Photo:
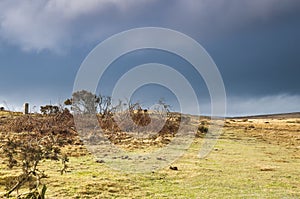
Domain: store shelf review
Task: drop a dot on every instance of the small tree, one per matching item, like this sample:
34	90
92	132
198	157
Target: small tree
84	102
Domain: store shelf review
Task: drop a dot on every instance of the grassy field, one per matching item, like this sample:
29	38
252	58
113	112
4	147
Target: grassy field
254	158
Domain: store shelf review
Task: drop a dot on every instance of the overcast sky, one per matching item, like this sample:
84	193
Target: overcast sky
254	43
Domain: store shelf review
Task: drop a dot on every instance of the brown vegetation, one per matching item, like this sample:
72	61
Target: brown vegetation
265	135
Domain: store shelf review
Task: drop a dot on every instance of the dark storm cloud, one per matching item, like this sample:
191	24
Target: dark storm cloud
55	24
255	43
262	60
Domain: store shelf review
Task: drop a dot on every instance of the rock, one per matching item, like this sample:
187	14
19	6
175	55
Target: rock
100	161
173	168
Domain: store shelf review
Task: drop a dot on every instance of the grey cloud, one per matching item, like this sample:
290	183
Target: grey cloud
38	25
58	24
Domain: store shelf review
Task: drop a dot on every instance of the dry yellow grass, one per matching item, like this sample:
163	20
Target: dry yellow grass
254	158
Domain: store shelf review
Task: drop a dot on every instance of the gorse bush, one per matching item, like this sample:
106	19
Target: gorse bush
26	152
28	140
49	109
202	130
97	118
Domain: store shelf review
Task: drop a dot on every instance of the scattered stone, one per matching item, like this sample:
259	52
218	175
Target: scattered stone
100	161
267	169
251	127
173	168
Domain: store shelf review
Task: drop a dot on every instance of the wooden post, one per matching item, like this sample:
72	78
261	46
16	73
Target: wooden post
26	108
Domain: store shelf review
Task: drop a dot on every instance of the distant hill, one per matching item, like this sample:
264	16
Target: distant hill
269	116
